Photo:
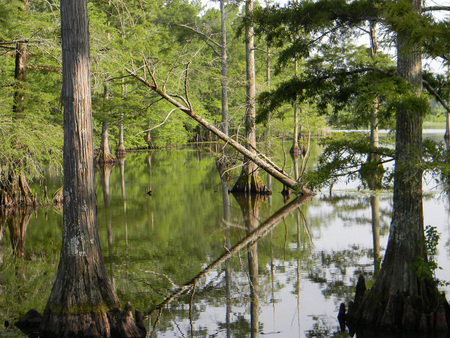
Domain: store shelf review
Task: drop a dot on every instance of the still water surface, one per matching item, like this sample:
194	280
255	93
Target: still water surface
302	269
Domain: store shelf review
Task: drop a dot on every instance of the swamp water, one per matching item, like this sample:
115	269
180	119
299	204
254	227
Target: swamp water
303	267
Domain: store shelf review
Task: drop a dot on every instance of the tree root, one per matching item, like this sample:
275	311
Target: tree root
393	313
114	323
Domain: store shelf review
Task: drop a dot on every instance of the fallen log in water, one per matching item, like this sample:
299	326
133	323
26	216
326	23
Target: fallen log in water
272	170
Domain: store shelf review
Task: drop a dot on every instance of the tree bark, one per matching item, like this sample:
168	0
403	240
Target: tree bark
250	181
82	296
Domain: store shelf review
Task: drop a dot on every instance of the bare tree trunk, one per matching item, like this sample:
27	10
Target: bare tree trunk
121	152
295	149
224	59
250	181
82	293
105	156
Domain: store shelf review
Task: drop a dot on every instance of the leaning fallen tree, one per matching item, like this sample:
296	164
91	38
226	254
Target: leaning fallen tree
254	156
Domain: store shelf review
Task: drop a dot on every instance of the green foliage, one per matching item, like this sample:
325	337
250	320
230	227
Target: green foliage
425	269
30	139
346	156
337	74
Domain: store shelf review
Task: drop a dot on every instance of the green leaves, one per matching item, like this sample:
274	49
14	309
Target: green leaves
346	156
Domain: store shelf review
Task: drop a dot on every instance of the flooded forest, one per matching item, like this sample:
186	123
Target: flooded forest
224	168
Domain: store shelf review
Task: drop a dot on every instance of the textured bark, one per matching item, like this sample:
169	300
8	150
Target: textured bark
398	286
249	180
82	293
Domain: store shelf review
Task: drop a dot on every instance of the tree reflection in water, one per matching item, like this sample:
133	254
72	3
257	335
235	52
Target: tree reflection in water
302	269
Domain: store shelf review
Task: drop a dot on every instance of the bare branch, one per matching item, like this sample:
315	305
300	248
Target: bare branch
435	8
159	125
208	40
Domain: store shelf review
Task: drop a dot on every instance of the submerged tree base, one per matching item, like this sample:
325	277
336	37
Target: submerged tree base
251	184
15	192
393	313
105	158
114	323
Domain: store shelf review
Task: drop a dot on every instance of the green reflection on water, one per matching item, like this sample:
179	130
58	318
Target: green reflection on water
153	243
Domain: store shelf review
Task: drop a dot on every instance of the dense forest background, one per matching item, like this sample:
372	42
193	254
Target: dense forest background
169	35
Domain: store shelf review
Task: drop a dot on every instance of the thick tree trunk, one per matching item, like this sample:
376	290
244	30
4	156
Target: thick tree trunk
402	298
82	297
250	181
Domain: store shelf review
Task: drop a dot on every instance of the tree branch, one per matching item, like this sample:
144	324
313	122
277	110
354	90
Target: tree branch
436	95
435	8
208	40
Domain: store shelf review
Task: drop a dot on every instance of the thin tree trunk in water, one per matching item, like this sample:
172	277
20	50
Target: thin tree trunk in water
374	176
105	156
295	149
374	116
224	59
402	299
121	152
375	206
250	181
82	297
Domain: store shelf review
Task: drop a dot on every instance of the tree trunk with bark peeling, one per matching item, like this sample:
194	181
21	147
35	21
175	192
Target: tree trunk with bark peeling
83	301
404	296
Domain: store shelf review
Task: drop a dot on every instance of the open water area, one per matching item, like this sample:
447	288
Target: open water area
166	216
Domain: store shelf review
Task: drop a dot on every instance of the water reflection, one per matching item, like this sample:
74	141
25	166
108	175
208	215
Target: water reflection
289	283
